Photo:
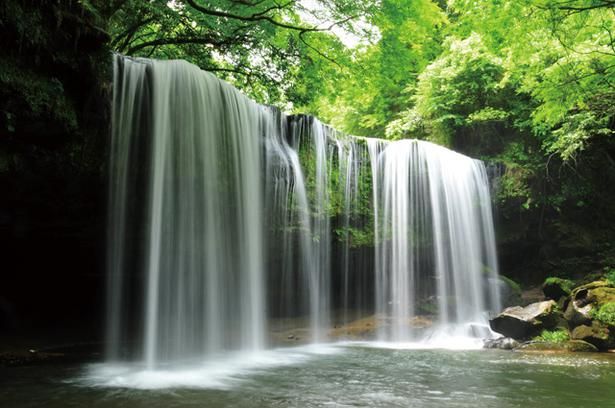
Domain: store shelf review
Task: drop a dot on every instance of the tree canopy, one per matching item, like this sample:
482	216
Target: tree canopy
527	83
259	45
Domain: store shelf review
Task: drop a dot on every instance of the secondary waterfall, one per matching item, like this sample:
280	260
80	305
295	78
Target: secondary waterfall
226	215
434	234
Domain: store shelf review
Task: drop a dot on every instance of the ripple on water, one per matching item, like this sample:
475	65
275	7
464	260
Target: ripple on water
350	375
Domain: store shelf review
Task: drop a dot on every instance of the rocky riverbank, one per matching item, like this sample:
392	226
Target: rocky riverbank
574	316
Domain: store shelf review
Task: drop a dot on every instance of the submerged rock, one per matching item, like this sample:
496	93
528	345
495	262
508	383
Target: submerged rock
502	343
573	346
580	346
524	322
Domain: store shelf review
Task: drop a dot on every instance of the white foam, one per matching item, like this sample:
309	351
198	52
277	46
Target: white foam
451	343
221	372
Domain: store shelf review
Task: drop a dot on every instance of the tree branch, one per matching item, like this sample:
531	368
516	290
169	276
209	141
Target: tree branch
175	41
260	16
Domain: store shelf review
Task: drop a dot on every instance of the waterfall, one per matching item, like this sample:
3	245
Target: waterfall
225	215
434	234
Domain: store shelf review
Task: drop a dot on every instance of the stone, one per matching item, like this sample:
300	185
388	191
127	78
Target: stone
573	346
585	299
580	346
577	313
525	322
597	334
601	296
501	343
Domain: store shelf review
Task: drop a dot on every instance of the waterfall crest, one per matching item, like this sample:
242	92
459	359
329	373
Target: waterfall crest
225	214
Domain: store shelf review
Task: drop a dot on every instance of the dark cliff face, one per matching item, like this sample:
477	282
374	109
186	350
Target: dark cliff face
55	85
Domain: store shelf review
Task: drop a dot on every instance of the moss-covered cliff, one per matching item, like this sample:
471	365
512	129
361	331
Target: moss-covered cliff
54	118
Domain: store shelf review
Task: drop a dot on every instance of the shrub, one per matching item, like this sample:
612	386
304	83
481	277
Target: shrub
606	313
553	336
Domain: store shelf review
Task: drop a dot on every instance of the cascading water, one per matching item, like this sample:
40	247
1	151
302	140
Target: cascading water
435	239
202	204
225	214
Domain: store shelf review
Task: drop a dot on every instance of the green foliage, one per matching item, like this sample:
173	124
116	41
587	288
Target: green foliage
357	237
574	134
35	94
553	336
524	83
267	48
444	71
515	183
461	85
358	229
373	87
605	314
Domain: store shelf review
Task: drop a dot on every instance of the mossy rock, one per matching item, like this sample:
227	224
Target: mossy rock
570	346
580	346
597	334
557	288
601	296
579	291
585	300
510	291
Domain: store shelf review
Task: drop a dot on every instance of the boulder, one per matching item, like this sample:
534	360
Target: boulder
597	334
578	313
585	299
525	322
601	296
557	288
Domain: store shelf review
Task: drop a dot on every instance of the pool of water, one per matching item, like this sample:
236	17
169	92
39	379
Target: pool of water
345	375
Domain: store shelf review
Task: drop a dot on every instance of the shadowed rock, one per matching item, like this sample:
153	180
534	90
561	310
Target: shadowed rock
556	288
597	334
524	322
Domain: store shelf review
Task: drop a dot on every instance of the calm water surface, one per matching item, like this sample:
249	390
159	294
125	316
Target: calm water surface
337	376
